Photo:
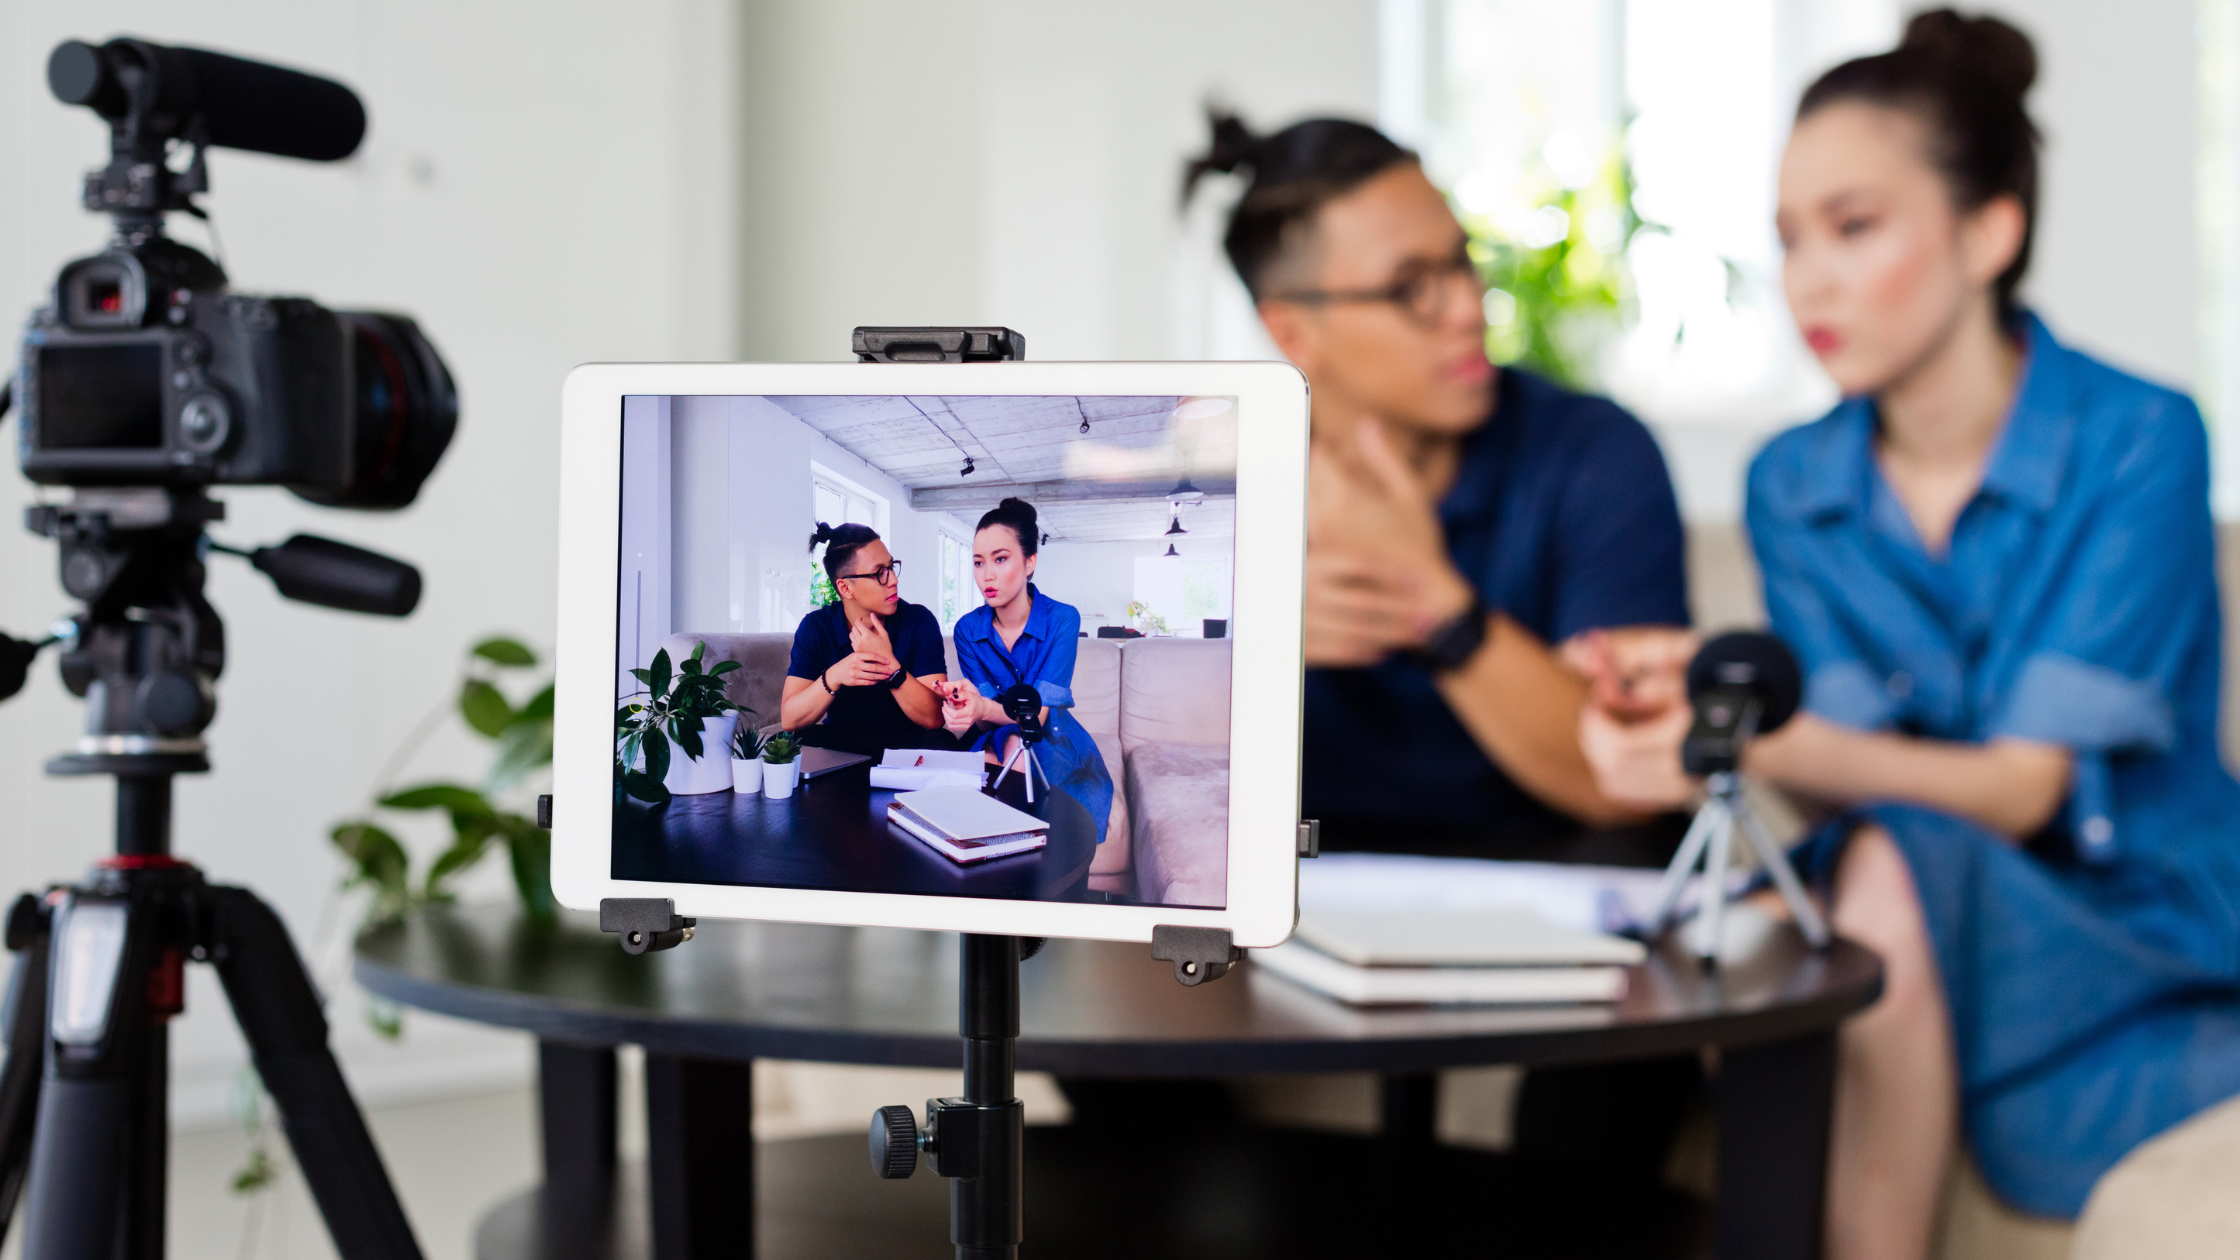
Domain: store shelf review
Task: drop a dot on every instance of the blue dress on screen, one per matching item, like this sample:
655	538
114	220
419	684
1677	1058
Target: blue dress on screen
1043	657
2091	971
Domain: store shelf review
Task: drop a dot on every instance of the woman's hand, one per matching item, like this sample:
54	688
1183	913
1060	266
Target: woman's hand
1635	672
960	705
1378	579
860	669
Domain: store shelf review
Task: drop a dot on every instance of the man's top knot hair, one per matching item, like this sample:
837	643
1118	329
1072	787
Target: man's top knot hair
841	543
1294	173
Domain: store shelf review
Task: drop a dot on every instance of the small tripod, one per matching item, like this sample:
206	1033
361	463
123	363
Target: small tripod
1023	705
1713	830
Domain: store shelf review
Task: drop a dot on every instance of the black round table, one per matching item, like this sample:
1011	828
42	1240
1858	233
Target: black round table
742	991
833	833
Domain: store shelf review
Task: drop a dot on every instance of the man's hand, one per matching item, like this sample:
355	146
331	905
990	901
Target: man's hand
860	669
1378	579
869	637
1637	763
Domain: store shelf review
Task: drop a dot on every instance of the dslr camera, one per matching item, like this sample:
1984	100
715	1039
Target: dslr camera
145	370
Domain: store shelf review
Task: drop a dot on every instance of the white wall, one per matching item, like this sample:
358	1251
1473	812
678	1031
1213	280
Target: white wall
1006	161
742	516
543	184
1097	578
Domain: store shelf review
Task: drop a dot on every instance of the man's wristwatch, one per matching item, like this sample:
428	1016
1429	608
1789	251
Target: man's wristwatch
894	680
1451	646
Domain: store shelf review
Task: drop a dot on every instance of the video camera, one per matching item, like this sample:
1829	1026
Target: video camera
145	370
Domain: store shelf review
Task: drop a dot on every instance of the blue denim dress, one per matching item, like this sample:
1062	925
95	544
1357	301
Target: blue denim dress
1043	657
2093	973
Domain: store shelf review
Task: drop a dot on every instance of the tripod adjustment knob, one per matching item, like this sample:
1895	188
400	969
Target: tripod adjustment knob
894	1142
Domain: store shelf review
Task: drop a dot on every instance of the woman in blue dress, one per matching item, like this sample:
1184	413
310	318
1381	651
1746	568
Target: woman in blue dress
1994	560
1021	635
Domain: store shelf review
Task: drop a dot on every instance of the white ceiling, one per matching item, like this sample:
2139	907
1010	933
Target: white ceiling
1121	469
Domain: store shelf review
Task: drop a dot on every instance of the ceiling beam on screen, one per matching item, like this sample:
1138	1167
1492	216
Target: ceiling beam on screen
987	494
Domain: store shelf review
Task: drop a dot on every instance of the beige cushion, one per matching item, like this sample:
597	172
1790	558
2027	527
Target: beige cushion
1174	691
2174	1198
1096	689
1179	798
759	684
1972	1224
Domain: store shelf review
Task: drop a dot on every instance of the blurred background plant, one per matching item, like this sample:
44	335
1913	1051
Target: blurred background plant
482	815
1558	288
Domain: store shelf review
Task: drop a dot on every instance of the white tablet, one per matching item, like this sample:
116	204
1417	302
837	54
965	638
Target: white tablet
834	542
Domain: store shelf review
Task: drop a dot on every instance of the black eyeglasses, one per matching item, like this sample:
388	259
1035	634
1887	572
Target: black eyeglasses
1421	293
884	574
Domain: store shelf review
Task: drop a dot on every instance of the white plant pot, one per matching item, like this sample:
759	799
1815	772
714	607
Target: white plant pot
746	776
778	777
712	772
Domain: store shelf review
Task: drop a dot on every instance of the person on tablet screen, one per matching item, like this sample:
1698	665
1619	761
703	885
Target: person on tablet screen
867	669
1021	635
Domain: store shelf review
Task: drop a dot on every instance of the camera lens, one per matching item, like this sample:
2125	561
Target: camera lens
406	409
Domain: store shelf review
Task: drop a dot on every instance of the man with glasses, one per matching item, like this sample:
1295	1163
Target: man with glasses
867	667
1473	531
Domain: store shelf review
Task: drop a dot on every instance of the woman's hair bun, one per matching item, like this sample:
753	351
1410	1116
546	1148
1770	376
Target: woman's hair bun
1234	148
1982	48
1018	515
1018	509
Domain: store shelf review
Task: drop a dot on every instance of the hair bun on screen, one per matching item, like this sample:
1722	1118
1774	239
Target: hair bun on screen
1984	49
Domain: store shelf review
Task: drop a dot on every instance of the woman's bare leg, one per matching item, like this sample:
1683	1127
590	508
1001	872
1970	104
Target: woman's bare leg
1897	1088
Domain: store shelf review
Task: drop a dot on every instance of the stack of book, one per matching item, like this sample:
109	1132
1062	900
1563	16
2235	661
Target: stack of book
967	825
1416	957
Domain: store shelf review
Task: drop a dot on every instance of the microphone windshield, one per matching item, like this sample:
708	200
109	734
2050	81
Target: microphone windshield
240	104
1753	661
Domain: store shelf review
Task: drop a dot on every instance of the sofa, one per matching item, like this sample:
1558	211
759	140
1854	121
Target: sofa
1159	712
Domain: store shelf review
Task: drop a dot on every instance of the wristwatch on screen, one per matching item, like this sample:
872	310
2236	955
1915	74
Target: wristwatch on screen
894	679
1451	646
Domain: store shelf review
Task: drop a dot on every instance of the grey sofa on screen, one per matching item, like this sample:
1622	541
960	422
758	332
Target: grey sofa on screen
1159	712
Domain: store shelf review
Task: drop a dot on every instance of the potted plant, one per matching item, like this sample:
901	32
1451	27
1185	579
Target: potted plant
780	767
684	707
746	759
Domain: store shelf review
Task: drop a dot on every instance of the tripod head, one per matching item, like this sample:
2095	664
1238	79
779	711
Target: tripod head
146	648
1742	684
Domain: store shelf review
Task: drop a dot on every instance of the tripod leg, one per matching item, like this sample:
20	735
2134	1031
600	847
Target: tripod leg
1676	874
279	1013
1784	877
1715	885
26	1015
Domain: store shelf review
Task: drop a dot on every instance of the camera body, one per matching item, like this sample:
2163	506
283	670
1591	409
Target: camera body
145	370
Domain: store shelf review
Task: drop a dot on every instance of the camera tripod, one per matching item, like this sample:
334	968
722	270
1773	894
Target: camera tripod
100	965
1023	705
1710	841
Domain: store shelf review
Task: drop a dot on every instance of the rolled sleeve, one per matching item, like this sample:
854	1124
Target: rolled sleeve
1849	694
1055	694
2059	699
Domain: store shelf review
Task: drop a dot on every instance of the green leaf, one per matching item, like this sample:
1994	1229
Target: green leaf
521	750
657	759
530	848
644	786
450	796
505	653
724	667
657	675
256	1174
466	849
538	707
686	733
484	707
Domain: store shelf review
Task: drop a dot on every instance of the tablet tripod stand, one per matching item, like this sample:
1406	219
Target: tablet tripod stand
100	967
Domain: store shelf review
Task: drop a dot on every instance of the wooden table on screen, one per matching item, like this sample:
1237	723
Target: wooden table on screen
742	991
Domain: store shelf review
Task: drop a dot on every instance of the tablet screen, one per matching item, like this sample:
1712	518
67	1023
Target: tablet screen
959	646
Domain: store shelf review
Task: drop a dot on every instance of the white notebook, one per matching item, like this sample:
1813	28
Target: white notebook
1491	936
966	824
915	769
1441	986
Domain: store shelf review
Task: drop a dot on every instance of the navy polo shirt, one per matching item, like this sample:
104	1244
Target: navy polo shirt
867	719
1562	516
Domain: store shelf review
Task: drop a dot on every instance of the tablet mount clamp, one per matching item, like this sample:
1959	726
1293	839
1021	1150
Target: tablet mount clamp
978	1139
